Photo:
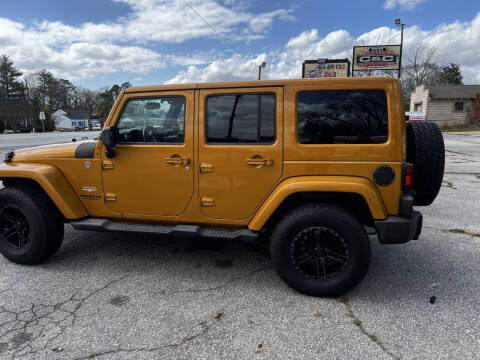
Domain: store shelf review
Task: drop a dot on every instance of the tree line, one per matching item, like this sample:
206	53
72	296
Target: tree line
22	97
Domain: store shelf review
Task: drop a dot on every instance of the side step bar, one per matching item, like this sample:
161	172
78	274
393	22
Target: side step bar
156	229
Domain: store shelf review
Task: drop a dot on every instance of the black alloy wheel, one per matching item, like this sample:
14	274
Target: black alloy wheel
31	227
320	249
14	228
319	253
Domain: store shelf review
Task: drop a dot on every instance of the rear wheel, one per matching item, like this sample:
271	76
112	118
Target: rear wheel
31	229
320	250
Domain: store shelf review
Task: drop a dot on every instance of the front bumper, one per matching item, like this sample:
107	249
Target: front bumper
399	229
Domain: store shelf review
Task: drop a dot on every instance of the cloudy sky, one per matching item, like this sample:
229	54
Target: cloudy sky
97	43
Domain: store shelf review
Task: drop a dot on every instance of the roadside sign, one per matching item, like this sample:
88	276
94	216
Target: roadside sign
415	116
41	116
325	68
378	57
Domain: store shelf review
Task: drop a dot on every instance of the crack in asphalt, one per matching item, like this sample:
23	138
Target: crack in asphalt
458	152
204	325
224	285
477	175
358	323
461	231
448	184
48	322
32	330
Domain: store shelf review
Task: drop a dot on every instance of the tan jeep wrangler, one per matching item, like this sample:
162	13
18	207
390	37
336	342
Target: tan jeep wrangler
313	165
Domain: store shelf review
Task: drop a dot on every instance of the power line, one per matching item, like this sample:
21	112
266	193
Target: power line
205	21
223	38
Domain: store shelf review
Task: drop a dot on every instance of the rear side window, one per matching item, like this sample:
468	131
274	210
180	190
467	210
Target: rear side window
241	119
342	117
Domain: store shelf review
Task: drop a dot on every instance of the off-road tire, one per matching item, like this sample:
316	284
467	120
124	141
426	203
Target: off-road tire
320	216
426	151
45	224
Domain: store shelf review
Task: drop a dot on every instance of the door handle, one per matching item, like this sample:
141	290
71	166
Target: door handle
259	162
177	161
206	168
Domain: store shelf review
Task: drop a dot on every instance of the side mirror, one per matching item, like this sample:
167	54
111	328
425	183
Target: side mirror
107	137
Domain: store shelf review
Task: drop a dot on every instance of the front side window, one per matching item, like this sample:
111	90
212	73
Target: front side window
459	106
152	120
241	119
342	117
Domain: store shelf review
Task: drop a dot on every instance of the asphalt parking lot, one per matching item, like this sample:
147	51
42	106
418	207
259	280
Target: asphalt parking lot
115	296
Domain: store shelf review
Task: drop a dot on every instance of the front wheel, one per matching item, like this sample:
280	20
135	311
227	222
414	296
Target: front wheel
31	229
320	250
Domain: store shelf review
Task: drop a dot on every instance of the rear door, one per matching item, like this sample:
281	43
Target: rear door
240	149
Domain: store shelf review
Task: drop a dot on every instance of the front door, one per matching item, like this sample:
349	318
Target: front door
152	171
240	149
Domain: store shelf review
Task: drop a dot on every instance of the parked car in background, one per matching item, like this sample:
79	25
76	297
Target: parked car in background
96	127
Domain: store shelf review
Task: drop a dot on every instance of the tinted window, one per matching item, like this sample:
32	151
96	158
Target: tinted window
241	118
152	120
342	117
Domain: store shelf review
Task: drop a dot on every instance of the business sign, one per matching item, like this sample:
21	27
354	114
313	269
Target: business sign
378	57
326	68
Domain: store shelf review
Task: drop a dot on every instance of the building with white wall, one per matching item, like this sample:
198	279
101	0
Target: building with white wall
448	105
70	119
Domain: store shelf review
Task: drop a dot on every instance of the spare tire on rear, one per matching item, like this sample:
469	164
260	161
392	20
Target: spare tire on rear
426	151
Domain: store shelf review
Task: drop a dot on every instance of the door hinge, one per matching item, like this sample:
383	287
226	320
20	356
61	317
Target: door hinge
110	197
207	202
108	165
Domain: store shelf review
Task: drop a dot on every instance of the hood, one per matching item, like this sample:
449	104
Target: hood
56	151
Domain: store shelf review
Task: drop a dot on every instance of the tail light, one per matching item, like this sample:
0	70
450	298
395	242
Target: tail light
407	176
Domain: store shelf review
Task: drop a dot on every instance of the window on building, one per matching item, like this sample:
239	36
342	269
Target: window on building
342	117
458	106
418	107
241	119
152	120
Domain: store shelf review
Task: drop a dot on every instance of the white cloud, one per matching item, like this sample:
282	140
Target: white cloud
91	49
304	39
458	42
403	4
237	67
84	51
177	20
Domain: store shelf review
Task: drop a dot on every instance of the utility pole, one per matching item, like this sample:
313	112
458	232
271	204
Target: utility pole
260	67
398	22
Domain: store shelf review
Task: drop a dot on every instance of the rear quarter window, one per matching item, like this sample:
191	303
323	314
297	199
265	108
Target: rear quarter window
342	117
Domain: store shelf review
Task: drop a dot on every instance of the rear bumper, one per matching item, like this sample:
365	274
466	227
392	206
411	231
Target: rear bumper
399	229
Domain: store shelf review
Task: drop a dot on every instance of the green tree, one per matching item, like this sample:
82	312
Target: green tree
452	74
10	87
45	85
108	98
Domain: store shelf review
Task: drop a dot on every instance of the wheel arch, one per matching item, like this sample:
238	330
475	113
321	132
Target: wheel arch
357	195
51	181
